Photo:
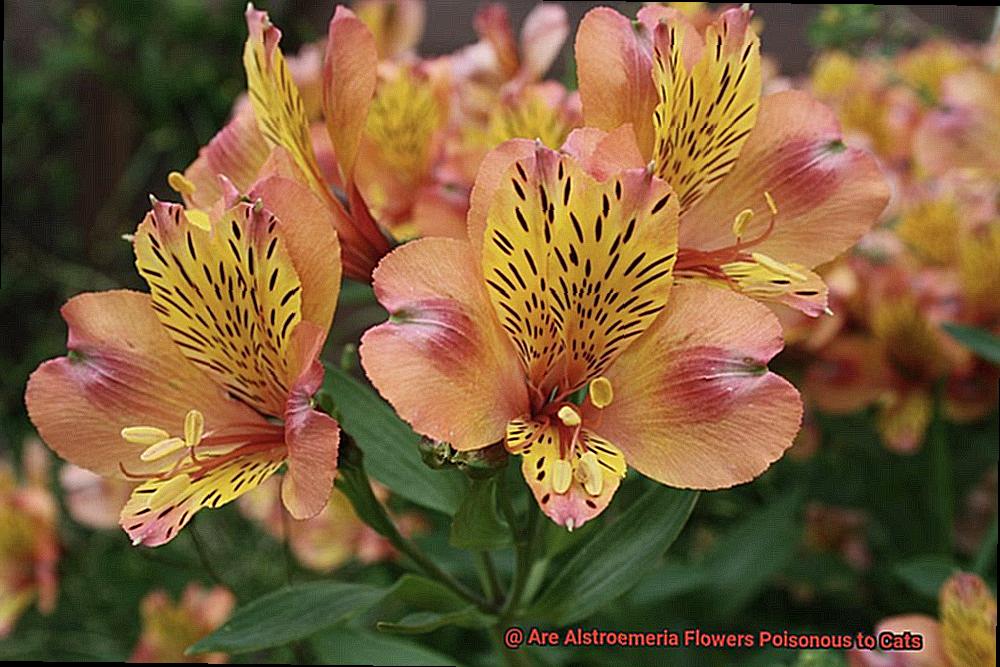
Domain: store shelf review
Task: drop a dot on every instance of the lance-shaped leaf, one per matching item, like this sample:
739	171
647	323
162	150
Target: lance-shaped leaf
983	343
288	614
476	524
390	446
347	646
431	606
617	557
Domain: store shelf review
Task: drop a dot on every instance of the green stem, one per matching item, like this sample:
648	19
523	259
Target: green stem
523	543
206	562
488	577
354	482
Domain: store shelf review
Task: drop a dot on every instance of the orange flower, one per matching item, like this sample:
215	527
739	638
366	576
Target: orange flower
563	288
169	628
767	189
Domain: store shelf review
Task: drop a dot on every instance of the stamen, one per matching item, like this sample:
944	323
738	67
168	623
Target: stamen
144	435
562	476
778	267
588	473
161	449
180	183
194	427
742	219
569	416
770	203
600	392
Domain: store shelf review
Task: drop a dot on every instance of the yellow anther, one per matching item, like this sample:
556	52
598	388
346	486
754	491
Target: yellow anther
741	221
777	267
169	490
199	219
562	476
194	427
161	449
181	183
144	435
568	416
770	203
588	473
601	393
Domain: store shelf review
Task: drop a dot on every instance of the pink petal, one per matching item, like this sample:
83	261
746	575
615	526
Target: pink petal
123	371
827	195
614	68
312	436
543	34
694	405
348	84
237	152
442	359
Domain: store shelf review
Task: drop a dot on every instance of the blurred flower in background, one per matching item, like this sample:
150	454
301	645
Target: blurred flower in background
169	627
29	544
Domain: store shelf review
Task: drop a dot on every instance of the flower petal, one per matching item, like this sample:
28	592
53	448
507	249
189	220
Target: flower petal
827	195
706	108
543	34
614	68
229	296
558	484
348	84
492	172
238	152
123	370
312	436
576	268
308	233
968	613
604	153
441	359
694	404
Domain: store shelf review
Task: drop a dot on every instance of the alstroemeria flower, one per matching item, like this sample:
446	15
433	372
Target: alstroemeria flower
964	635
331	538
767	189
278	115
202	389
562	289
169	628
29	543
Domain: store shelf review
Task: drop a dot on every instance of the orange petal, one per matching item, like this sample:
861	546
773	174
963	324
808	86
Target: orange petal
614	68
567	501
827	195
694	404
968	614
576	268
312	436
491	174
228	296
311	242
397	25
348	84
847	375
237	152
543	34
604	153
442	359
123	370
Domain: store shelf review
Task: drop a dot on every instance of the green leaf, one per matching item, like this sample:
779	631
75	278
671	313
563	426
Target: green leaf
390	446
745	558
925	574
347	646
617	557
432	606
288	614
982	342
476	524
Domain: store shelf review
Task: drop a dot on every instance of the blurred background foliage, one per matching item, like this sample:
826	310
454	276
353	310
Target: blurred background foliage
103	98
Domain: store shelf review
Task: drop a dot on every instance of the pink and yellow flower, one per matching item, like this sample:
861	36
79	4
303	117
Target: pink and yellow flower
29	543
169	628
331	538
963	635
202	389
767	189
564	288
